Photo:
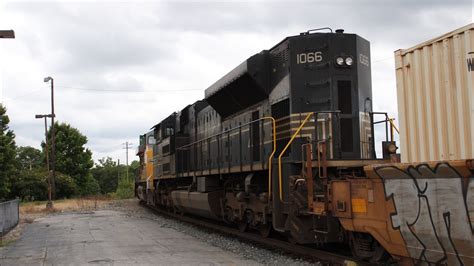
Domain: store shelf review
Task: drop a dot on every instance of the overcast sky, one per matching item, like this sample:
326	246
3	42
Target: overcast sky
121	67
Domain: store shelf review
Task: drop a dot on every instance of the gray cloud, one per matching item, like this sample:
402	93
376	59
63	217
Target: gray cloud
180	46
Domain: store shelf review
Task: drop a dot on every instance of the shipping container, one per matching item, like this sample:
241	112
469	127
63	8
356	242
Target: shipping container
435	90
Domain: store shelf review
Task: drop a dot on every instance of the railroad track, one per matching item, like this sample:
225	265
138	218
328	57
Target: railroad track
321	256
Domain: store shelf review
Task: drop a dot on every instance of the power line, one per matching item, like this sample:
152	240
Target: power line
25	94
117	90
19	97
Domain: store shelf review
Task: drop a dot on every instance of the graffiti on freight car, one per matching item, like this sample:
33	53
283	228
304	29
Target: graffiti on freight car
432	211
470	62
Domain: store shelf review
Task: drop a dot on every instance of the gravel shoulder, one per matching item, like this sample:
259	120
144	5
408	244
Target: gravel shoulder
244	249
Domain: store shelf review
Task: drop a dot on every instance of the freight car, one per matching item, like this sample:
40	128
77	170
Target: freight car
285	142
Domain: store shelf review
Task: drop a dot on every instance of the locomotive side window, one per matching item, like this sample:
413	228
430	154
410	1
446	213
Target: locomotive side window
280	110
151	140
166	149
166	167
169	131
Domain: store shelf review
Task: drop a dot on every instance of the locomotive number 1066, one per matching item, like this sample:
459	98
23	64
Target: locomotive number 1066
310	57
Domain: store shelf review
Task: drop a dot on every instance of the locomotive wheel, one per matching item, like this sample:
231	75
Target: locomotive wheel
243	225
265	229
174	210
292	240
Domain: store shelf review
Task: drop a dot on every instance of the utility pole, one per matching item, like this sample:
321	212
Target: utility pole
49	204
53	138
118	171
127	146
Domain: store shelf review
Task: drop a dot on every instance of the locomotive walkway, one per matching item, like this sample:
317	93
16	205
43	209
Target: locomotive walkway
110	237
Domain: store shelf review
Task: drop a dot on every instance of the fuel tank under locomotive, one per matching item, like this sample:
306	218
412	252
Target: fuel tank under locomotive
198	203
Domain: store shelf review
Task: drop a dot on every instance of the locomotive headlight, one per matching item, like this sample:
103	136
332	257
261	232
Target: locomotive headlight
349	61
340	61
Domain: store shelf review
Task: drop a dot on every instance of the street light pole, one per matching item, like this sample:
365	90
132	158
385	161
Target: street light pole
49	205
53	137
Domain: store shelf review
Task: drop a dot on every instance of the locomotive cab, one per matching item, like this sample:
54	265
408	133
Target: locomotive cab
329	75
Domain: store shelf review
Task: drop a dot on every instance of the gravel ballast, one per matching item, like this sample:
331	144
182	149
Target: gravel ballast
228	243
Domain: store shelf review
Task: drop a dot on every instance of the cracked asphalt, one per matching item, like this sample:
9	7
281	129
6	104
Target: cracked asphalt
110	237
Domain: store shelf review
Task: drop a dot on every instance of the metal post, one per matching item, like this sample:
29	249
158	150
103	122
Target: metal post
53	143
372	141
127	146
228	151
218	141
126	156
309	176
49	204
17	210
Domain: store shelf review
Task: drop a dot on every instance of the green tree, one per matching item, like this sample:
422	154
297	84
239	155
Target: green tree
29	158
72	158
30	185
7	153
30	181
65	186
90	186
107	172
134	168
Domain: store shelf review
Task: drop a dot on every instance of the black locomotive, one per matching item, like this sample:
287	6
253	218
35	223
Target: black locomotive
262	147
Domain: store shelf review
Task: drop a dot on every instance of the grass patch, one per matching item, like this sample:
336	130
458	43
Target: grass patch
125	189
66	205
6	242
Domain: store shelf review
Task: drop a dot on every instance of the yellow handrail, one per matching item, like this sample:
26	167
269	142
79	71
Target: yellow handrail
284	149
393	125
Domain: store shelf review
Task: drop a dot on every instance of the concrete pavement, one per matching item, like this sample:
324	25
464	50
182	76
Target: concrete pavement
108	237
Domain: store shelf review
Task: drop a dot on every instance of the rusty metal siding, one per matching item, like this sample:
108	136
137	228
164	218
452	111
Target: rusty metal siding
435	90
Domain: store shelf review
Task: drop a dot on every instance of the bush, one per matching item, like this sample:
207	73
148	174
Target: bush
65	186
30	185
89	187
125	188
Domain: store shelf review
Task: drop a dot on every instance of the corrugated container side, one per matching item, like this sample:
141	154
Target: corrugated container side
436	98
